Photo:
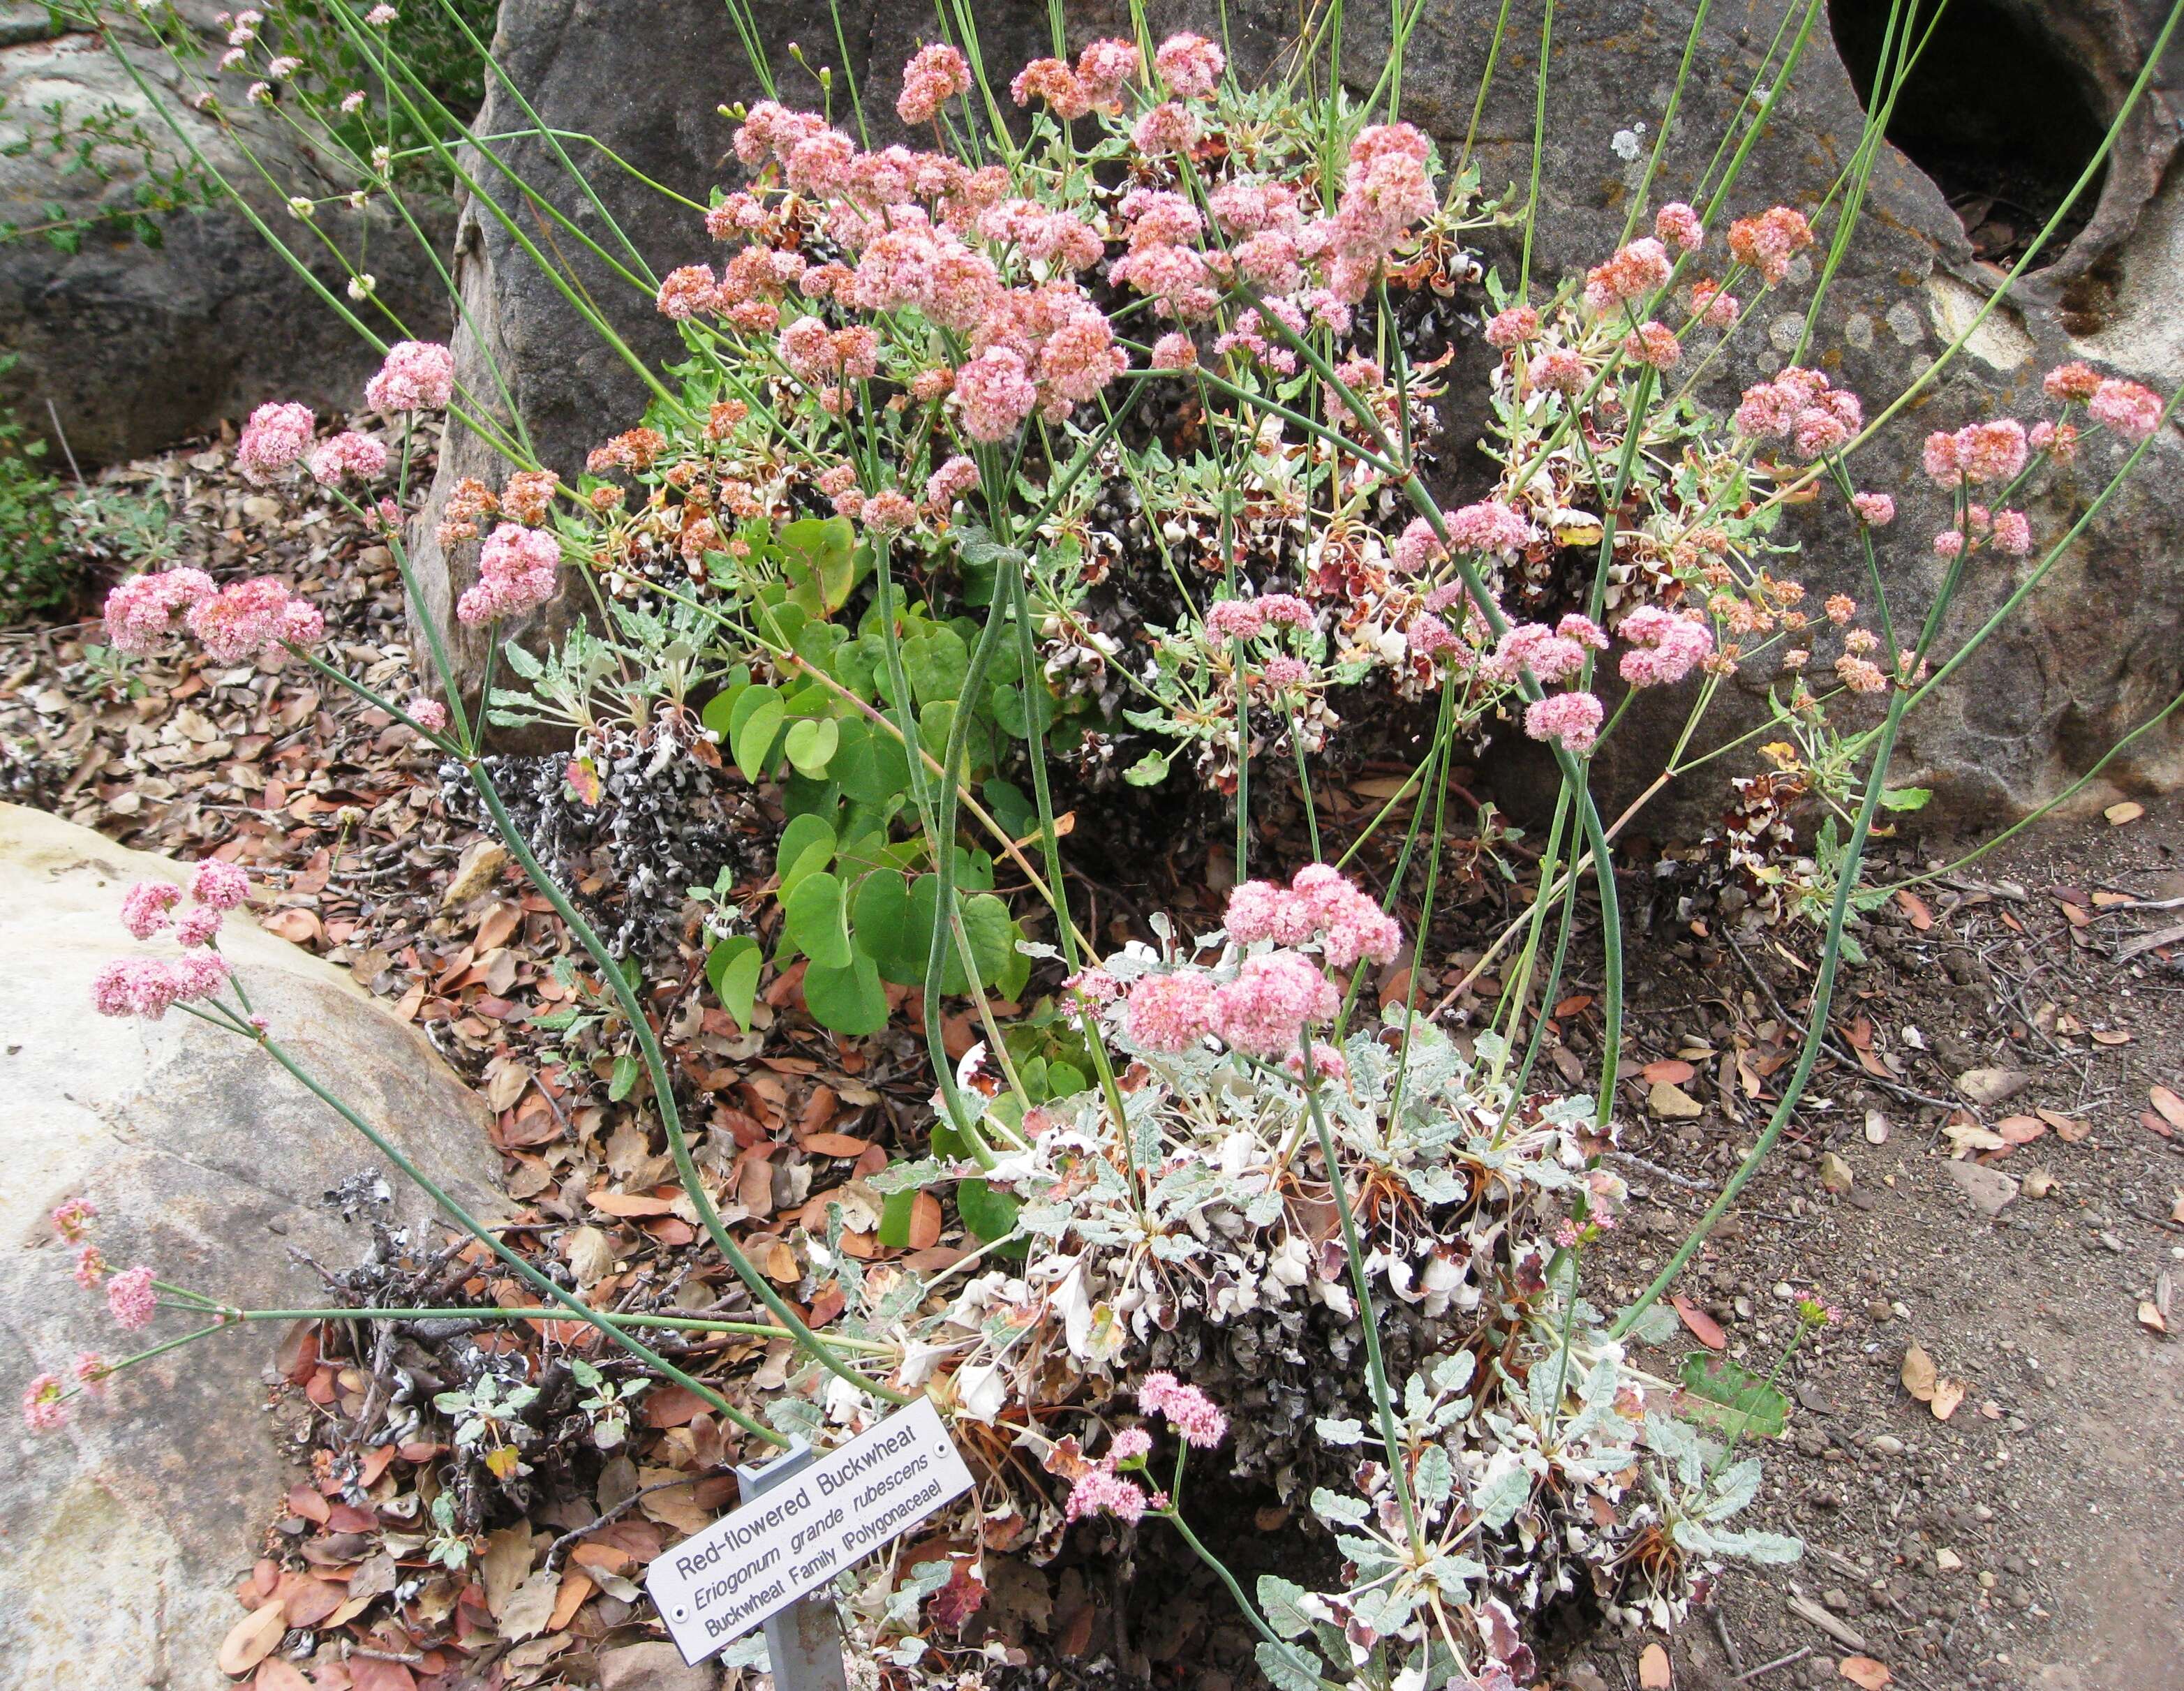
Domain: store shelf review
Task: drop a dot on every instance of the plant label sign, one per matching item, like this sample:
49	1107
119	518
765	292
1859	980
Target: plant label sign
718	1584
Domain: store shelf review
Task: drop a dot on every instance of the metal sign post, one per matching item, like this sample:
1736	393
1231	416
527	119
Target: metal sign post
804	1641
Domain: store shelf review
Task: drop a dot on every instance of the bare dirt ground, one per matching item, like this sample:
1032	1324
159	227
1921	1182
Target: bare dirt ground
2031	1540
2027	1539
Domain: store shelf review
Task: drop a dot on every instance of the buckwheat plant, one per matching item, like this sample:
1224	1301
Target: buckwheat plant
1088	436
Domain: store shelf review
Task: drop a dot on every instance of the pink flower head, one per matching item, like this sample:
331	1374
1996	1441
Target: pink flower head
1949	543
43	1408
1328	1063
1768	242
519	569
1234	619
934	76
2011	533
1712	306
276	437
1104	66
1169	127
688	291
1189	1410
2131	410
1173	350
221	884
90	1265
199	925
995	394
1583	629
418	375
1533	646
1571	719
955	478
1939	458
1102	1491
1285	610
132	1298
1653	343
345	457
1052	80
1513	327
1264	1011
1191	65
1632	273
1132	1444
1426	636
1664	647
145	905
1560	370
1679	226
428	713
1418	548
1991	452
257	617
90	1371
1488	527
2059	439
2073	380
1874	510
71	1218
1171	1011
140	612
1254	908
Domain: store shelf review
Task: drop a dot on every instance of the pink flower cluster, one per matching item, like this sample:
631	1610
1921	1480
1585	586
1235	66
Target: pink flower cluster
1262	1011
934	76
1100	1490
234	622
1628	275
1095	84
1664	647
1768	242
1319	903
1551	654
1800	404
276	437
1977	453
1191	65
1679	226
140	612
44	1406
1488	527
1190	1411
71	1219
1572	720
258	617
149	986
132	1298
417	375
1513	327
2133	411
345	457
1248	619
519	569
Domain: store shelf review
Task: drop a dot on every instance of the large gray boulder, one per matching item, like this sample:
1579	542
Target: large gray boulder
2098	651
126	1531
137	346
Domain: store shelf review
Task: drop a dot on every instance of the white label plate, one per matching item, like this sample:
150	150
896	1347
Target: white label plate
716	1585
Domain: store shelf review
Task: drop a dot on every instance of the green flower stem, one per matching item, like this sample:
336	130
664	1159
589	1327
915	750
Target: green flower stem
663	1090
1250	1611
477	1230
1823	986
1368	1320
